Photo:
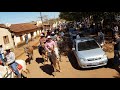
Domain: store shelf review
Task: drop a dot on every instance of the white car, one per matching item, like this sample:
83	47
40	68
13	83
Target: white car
89	53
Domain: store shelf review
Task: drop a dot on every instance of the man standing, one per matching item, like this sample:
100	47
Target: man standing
42	47
50	44
116	49
101	38
26	38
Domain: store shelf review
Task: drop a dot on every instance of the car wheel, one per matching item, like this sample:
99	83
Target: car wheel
78	67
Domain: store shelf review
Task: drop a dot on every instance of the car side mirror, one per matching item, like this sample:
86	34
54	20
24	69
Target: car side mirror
73	49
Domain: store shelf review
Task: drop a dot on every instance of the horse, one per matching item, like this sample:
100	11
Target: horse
29	52
43	52
7	72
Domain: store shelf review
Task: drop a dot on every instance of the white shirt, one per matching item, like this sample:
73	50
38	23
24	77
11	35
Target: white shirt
10	57
1	51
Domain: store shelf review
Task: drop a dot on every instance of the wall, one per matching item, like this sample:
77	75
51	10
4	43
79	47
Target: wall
5	32
17	38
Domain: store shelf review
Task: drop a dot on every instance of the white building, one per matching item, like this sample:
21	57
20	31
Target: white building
5	36
19	31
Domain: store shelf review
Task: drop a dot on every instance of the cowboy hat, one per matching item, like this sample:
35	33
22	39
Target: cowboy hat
41	35
53	33
48	36
7	47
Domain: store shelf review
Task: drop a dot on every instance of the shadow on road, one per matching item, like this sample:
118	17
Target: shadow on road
72	60
110	64
39	60
48	69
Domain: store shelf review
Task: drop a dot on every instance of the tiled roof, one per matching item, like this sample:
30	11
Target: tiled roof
22	27
3	26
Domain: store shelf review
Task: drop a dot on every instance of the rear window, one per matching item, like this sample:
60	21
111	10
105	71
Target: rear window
87	45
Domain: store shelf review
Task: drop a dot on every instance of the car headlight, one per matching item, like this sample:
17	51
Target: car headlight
82	59
104	56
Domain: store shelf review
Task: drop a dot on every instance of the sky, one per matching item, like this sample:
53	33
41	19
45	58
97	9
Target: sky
24	17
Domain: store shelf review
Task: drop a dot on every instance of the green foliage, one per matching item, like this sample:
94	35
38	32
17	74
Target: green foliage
96	16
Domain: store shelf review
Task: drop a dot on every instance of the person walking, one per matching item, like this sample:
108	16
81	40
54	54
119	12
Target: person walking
101	38
50	44
26	38
116	50
41	48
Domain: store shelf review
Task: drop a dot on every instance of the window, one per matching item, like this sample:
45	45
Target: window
87	45
6	39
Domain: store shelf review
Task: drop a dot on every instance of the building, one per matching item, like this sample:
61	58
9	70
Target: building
5	36
18	32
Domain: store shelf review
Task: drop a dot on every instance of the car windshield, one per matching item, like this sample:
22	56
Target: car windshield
87	45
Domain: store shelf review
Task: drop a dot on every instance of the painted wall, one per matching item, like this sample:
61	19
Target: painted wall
5	32
16	40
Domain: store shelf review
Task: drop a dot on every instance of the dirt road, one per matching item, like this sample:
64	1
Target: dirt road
69	68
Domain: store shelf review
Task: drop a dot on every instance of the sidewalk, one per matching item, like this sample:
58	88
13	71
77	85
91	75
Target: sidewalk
19	51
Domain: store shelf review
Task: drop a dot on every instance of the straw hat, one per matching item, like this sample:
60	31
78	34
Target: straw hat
7	47
41	35
53	33
48	36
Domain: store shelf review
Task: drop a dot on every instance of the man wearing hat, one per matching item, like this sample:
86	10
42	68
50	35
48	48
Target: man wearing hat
10	61
42	46
50	44
2	54
53	36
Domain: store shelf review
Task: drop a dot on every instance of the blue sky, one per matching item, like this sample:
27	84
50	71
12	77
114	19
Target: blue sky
23	17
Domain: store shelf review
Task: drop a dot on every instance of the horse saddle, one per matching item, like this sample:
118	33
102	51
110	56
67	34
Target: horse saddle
19	67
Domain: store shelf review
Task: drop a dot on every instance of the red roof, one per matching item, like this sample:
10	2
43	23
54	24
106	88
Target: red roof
2	26
22	27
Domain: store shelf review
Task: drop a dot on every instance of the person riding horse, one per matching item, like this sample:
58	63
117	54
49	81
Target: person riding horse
42	47
10	61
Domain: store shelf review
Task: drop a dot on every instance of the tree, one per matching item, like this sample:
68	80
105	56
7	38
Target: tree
96	16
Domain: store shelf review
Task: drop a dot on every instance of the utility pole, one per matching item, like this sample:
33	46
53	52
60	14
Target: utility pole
41	20
41	17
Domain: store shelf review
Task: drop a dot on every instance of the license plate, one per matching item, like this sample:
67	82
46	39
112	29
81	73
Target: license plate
93	63
101	62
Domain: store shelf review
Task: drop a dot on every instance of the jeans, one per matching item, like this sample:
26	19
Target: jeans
2	58
14	67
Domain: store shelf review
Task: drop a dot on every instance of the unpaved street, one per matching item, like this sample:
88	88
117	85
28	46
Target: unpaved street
69	68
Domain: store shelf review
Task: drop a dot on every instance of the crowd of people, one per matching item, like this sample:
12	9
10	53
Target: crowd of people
49	46
49	43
